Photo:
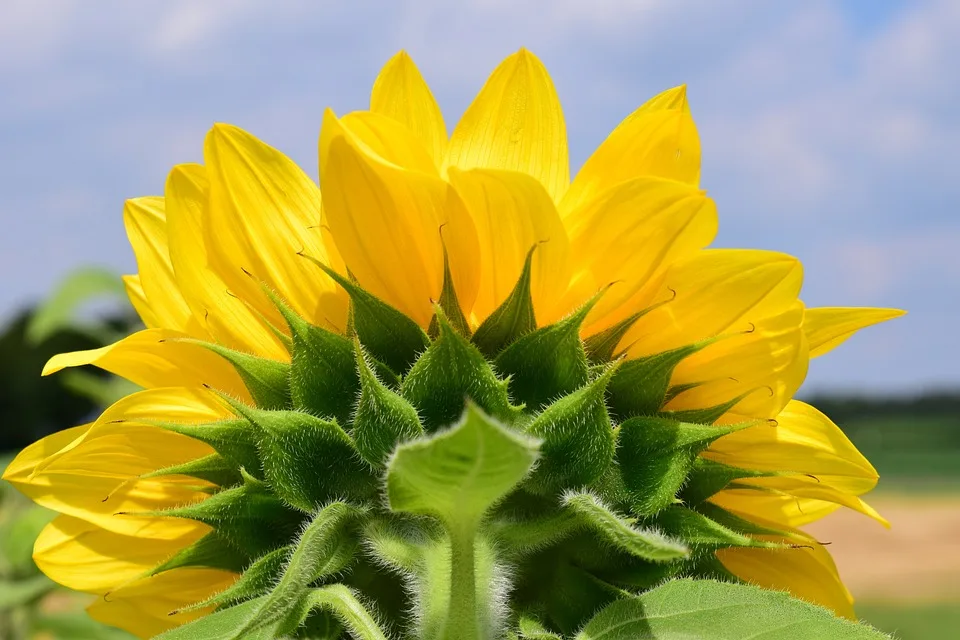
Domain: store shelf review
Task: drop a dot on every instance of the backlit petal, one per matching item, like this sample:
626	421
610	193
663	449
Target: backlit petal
264	213
829	327
387	224
717	290
401	93
807	572
139	300
658	139
157	358
513	213
804	441
389	140
143	607
515	123
226	317
769	363
82	556
629	232
146	223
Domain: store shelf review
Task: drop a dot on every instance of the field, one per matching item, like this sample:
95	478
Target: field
906	579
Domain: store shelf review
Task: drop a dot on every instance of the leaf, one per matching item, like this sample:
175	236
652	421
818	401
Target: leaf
451	372
702	532
59	310
547	363
458	474
386	333
645	544
224	625
211	551
512	319
578	441
383	418
256	580
686	609
343	603
708	477
213	468
235	440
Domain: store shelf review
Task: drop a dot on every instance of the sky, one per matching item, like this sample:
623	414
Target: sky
829	129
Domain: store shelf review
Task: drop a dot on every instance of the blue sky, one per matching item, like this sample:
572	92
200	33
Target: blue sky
830	129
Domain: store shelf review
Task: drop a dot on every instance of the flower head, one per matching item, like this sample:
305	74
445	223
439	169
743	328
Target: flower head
294	337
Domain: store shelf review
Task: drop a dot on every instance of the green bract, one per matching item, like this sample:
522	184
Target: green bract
515	483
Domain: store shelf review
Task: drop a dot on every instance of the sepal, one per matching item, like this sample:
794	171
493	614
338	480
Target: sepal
389	335
514	317
268	381
449	373
657	454
578	442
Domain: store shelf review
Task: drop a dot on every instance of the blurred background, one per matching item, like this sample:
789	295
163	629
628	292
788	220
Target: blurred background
829	131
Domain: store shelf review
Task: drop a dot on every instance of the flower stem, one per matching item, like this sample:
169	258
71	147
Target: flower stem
462	617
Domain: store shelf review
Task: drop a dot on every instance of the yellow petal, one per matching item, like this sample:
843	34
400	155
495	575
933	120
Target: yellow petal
96	475
513	213
228	319
143	607
157	358
387	224
401	93
389	140
629	232
658	139
146	224
768	363
804	441
515	123
139	301
717	290
829	327
807	572
264	213
741	497
82	556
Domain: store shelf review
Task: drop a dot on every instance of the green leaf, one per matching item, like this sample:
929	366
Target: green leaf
386	333
383	418
547	363
601	347
60	309
306	460
640	386
323	375
250	517
451	372
512	319
619	532
656	455
16	593
344	604
224	625
450	304
686	609
531	629
458	474
310	557
578	441
268	381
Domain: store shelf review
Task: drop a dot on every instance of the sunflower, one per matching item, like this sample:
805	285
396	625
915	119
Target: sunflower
293	340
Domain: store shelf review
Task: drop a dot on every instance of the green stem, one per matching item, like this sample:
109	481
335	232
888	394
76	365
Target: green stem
462	618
